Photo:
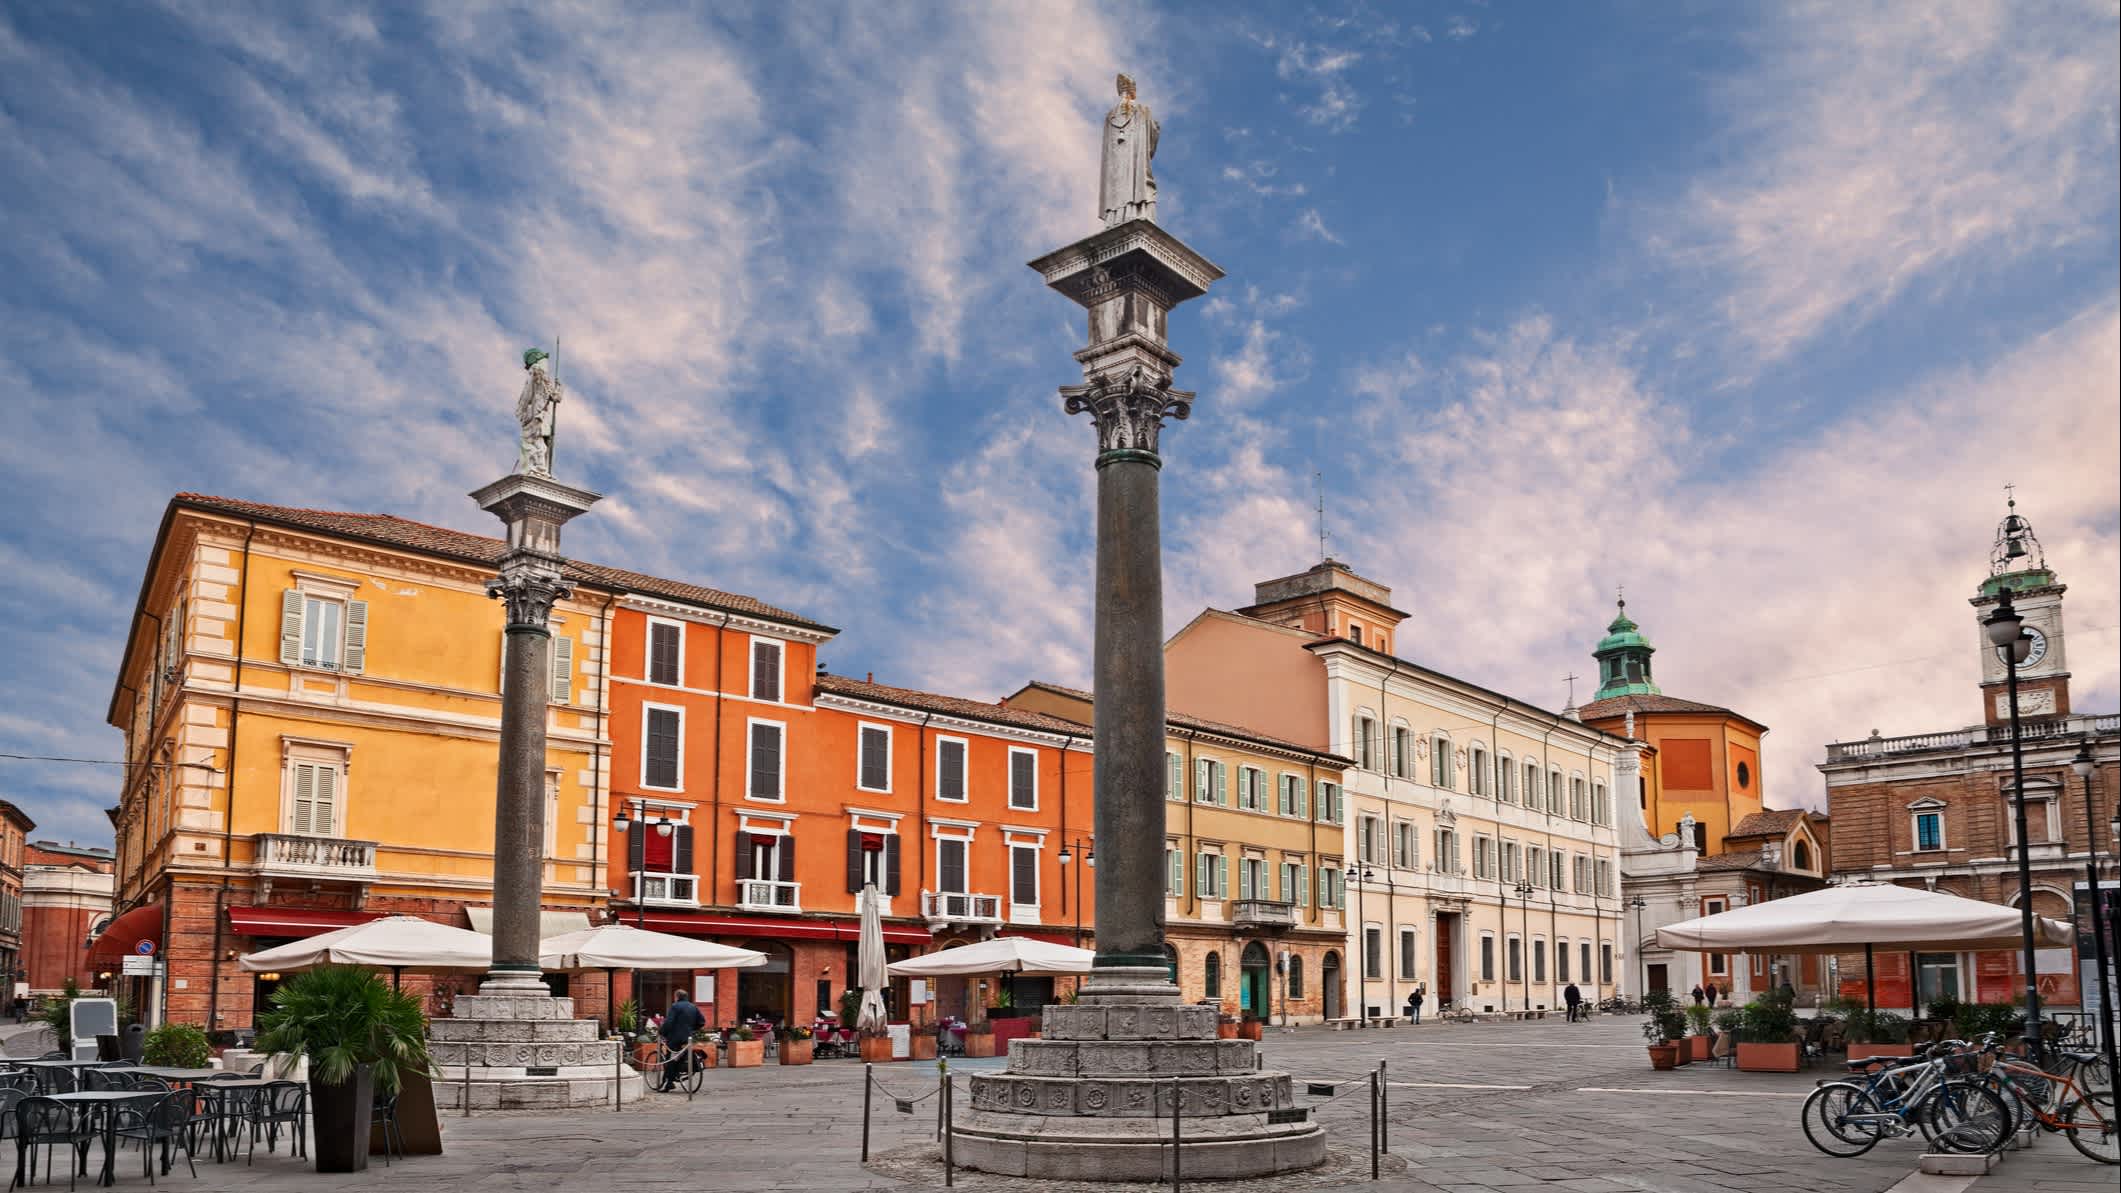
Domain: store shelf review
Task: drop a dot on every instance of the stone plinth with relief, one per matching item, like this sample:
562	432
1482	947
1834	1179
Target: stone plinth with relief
1095	1098
525	1051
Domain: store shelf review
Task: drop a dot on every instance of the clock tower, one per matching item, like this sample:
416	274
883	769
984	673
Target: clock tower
2018	565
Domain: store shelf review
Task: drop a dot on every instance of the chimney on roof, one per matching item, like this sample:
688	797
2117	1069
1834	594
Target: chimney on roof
871	679
821	668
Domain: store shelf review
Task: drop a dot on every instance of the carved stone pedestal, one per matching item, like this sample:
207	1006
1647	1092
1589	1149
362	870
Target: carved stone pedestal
511	1040
1093	1099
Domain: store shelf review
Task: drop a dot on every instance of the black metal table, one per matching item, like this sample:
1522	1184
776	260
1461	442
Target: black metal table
103	1105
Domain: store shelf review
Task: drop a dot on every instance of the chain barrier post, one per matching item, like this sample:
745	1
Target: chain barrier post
1384	1112
866	1086
948	1098
1374	1124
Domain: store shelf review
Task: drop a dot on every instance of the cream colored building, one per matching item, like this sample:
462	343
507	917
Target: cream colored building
1481	829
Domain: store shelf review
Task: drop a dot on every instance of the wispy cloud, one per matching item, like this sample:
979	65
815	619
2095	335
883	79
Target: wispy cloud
1311	225
1336	105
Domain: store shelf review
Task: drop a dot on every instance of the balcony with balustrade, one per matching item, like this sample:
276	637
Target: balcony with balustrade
944	909
760	894
303	858
1262	915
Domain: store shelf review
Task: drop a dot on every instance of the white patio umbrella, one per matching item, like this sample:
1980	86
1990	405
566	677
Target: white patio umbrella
1866	915
869	961
396	943
1003	954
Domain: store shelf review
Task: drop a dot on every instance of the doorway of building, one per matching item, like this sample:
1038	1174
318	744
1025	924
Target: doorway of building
1255	987
1937	975
763	991
1445	987
1329	985
1660	978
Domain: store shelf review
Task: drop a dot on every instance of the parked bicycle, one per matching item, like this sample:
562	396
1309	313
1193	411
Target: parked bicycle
2053	1100
1937	1093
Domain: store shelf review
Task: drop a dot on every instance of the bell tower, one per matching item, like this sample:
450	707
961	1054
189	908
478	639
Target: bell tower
2018	565
1624	659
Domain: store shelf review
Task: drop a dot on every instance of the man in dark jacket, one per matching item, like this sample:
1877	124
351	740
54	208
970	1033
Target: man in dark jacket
1574	998
679	1023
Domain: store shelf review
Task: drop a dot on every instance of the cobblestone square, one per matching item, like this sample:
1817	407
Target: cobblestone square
1472	1108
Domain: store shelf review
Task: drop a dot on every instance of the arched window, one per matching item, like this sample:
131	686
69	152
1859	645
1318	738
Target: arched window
1171	962
1212	976
1296	976
1801	856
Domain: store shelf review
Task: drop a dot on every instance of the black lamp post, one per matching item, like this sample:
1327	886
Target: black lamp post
1066	858
1635	904
622	824
1362	879
2006	632
2085	765
1524	945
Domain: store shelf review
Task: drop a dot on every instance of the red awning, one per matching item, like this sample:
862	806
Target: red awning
143	924
701	924
296	922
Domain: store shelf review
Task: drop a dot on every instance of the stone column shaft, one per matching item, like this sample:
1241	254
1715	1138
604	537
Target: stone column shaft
1129	713
519	796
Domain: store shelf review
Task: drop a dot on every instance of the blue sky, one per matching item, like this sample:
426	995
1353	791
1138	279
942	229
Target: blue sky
1753	309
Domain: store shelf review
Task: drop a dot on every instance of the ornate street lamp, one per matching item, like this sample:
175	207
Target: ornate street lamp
1361	879
1524	945
2006	632
1635	904
2084	765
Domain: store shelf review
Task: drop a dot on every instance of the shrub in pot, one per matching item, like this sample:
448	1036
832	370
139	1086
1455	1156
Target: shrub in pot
1664	1029
1765	1028
979	1039
1698	1039
359	1036
797	1046
923	1042
746	1050
1877	1033
1977	1019
177	1046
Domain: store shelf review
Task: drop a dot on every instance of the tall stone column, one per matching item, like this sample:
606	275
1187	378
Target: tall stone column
533	508
1093	1099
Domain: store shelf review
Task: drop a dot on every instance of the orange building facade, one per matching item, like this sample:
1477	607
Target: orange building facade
755	796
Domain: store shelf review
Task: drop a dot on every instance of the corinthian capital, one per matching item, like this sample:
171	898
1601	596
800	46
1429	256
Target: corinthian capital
531	586
1128	409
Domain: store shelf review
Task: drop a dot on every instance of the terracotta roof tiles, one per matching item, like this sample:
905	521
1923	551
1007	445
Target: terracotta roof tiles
950	706
1771	823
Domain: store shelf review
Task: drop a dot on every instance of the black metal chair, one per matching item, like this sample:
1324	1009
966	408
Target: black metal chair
41	1122
286	1103
21	1079
386	1117
56	1081
98	1081
10	1097
225	1112
165	1122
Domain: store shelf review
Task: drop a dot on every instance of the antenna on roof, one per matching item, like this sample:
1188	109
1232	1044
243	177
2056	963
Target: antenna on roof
1318	484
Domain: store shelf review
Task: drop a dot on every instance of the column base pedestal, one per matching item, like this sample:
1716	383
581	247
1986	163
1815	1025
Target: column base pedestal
526	1051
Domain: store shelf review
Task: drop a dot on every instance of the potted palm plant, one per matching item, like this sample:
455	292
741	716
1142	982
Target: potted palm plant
1765	1029
1665	1028
361	1037
1699	1041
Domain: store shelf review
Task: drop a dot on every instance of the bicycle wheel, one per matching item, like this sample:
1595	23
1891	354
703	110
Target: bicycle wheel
2024	1113
695	1074
1826	1118
2096	1133
1960	1116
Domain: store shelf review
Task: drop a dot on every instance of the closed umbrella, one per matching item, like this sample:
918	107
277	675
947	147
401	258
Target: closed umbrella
869	960
396	943
1865	915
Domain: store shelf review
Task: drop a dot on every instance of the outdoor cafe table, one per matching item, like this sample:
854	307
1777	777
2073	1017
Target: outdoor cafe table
102	1108
41	1067
226	1100
175	1076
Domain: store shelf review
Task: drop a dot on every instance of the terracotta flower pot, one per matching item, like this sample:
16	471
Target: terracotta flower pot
745	1054
1226	1031
1664	1056
877	1049
644	1054
797	1052
1698	1047
707	1054
923	1046
979	1044
1767	1058
1682	1054
1251	1029
1859	1051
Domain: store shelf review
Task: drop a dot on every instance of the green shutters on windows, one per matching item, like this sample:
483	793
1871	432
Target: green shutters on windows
1175	780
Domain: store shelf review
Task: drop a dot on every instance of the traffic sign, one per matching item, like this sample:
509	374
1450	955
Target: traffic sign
145	948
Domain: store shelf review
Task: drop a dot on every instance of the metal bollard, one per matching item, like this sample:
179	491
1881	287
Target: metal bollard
949	1097
1375	1124
866	1086
1384	1110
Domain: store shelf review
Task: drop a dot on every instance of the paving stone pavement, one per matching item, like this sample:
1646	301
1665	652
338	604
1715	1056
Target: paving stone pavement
1472	1108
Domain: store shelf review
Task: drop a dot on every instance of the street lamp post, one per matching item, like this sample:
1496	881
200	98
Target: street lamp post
2006	633
2084	765
1066	858
622	824
1642	962
1524	944
1362	879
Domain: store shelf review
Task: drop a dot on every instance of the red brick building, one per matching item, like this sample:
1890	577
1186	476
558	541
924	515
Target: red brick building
1938	809
66	898
15	828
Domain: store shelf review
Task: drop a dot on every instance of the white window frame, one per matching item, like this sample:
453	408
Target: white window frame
1399	749
1487	961
1365	838
1174	776
1554	791
336	757
1441	774
751	667
964	842
1503	786
862	729
648	706
1514	961
1915	814
1477	769
333	590
1511	856
751	725
1373	960
1365	730
2035	793
1483	856
1019	911
965	769
648	651
1014	751
1408	954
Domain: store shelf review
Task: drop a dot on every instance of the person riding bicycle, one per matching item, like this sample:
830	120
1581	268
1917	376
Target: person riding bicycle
679	1024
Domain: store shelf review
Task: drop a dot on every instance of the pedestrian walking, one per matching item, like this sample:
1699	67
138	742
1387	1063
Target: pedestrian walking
1697	996
1574	998
679	1023
1713	993
1414	1001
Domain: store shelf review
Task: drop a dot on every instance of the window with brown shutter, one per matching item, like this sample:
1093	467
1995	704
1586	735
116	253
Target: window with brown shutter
765	761
659	751
765	670
663	645
1023	876
950	770
874	766
1023	780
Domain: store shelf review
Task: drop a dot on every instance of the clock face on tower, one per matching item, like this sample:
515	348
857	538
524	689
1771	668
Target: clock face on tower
2036	651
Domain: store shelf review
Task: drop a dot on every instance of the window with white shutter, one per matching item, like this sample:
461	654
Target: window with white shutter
1174	776
1174	873
323	631
315	807
562	668
873	768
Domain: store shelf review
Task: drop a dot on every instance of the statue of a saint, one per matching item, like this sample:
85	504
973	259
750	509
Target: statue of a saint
1126	190
537	412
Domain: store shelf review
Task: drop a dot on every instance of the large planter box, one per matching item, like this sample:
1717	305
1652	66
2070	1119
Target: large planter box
877	1049
1664	1056
923	1046
797	1052
1251	1029
979	1044
1860	1051
1226	1031
644	1055
1767	1058
1683	1053
1699	1047
746	1054
708	1056
341	1115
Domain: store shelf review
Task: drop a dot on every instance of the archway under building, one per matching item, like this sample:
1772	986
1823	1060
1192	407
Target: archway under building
1329	993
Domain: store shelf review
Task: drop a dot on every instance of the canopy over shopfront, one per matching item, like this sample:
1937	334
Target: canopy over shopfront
622	946
123	936
1863	915
1003	954
396	943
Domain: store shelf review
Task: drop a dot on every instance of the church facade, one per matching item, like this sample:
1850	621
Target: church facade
1937	809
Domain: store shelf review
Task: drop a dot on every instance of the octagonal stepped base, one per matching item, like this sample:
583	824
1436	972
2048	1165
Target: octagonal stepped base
1093	1100
503	1037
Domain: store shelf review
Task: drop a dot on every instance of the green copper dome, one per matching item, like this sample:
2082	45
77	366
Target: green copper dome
1624	660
